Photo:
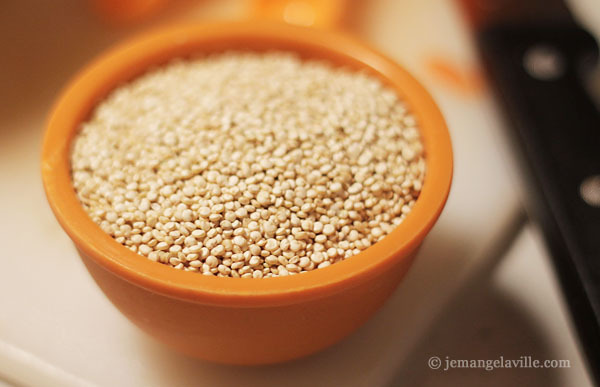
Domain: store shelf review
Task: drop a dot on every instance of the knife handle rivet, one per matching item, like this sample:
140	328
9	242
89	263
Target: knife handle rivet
590	190
544	62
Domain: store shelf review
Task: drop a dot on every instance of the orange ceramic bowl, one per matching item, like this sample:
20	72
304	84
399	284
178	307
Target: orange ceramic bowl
242	320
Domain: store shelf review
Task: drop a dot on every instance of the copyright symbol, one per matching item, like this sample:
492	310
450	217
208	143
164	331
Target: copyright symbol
434	362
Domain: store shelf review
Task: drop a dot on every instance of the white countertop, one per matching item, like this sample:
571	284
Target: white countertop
58	329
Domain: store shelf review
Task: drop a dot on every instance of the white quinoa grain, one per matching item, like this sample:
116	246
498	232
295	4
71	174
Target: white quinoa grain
249	165
212	261
271	245
144	249
317	257
328	229
240	241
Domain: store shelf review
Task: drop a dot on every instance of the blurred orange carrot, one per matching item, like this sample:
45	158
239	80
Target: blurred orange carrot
452	75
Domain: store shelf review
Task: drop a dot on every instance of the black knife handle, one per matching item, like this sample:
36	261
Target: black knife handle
537	73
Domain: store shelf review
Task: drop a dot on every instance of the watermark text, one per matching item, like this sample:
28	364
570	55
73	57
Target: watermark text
447	363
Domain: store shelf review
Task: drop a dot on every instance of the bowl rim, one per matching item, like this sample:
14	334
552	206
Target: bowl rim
136	55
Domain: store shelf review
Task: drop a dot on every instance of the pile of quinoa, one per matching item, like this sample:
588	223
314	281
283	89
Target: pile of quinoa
249	164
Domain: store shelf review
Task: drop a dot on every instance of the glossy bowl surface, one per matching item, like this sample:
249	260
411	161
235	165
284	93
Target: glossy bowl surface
234	320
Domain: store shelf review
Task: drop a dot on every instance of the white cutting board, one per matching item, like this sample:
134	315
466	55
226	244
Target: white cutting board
57	328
